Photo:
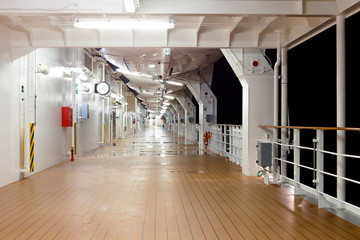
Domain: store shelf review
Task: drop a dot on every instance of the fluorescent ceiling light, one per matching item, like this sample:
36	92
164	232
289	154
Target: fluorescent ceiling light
166	103
131	5
146	92
151	65
124	23
169	97
175	83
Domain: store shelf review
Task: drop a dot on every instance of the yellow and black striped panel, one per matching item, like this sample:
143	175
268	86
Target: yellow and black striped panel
104	134
74	138
32	140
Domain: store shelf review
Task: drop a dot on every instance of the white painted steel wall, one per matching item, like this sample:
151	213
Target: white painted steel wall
9	119
52	142
89	130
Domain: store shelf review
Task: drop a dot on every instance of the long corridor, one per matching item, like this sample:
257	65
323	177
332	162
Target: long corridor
153	185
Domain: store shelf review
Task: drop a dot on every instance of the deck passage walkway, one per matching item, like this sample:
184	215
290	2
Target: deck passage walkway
158	188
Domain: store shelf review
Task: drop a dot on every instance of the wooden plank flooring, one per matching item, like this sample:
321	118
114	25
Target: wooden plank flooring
153	186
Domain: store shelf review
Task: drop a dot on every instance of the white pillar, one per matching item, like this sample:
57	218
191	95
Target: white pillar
181	100
257	82
340	102
195	90
178	117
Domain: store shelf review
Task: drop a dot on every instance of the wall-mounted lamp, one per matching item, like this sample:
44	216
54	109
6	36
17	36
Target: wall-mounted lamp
131	5
42	68
86	88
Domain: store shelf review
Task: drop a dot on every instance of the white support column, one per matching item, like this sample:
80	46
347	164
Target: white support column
178	117
209	100
340	103
172	110
256	78
284	110
181	100
194	88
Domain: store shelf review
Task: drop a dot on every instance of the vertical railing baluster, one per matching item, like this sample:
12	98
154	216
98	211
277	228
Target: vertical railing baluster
320	167
297	161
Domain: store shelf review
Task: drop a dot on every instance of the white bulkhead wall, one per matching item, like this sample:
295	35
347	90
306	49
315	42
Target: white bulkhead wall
89	131
54	91
10	74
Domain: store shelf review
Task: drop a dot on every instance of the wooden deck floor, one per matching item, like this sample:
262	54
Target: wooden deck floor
158	188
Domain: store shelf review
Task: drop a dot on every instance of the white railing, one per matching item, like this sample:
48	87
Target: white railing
315	165
226	140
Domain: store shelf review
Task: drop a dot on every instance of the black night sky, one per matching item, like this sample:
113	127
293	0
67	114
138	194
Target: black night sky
311	98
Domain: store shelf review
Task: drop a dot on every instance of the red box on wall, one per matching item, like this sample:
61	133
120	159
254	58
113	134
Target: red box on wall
67	117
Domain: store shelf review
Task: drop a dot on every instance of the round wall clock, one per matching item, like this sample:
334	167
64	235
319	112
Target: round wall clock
102	88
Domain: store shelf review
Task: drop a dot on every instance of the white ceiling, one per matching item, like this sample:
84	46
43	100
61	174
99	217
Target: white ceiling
202	27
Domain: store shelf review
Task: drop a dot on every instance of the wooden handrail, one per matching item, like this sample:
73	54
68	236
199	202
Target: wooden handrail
312	128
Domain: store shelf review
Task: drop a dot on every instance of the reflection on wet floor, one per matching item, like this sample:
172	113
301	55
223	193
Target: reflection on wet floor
151	142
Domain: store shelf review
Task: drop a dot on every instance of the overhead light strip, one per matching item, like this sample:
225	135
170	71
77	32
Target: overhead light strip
101	23
174	83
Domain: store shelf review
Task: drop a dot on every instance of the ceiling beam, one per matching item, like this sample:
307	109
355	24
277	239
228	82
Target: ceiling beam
232	27
263	27
288	7
54	21
17	21
201	20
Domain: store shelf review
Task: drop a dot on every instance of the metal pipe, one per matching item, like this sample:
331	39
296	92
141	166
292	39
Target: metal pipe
276	81
340	103
276	105
284	109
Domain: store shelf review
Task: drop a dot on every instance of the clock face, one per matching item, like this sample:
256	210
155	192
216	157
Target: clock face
102	88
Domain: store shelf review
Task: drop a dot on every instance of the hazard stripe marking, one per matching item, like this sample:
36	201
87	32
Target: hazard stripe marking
32	147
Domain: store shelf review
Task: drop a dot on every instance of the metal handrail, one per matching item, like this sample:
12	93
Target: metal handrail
318	171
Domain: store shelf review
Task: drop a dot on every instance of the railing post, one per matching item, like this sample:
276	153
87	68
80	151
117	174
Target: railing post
241	146
231	151
297	161
275	151
320	167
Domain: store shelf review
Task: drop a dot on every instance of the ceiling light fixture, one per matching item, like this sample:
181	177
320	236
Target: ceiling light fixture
175	83
124	23
169	97
131	5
